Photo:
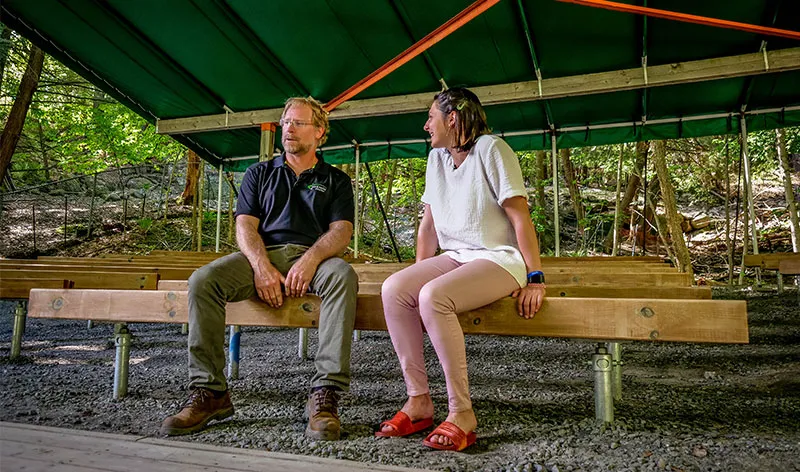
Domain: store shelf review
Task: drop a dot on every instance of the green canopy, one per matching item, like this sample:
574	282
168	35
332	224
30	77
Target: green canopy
187	58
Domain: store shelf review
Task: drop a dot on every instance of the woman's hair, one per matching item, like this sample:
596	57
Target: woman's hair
319	115
470	117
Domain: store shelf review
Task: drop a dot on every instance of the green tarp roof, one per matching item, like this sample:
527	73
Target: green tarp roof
184	58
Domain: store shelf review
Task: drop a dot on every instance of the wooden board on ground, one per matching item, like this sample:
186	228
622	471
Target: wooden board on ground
584	318
34	448
88	279
21	287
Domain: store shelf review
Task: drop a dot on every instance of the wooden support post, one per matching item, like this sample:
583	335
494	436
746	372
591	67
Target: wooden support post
267	144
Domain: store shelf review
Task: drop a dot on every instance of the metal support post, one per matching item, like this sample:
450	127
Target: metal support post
90	324
121	362
615	349
302	344
185	328
233	352
356	333
219	207
19	328
603	400
555	194
748	181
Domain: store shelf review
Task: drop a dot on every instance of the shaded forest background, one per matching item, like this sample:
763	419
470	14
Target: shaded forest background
69	146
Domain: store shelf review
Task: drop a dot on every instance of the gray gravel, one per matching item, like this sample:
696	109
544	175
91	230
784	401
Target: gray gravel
686	407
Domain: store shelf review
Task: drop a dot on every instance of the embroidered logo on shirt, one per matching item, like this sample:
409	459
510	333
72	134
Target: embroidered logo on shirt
317	187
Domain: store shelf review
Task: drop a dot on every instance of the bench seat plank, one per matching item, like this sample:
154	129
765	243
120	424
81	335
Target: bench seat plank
573	291
21	287
90	279
789	267
583	318
770	260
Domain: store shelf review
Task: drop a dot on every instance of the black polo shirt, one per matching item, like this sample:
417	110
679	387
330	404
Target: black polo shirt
295	209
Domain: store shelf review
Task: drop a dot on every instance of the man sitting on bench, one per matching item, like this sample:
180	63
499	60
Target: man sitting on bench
294	215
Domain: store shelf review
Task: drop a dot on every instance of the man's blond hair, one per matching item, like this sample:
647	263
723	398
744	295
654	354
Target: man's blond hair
319	115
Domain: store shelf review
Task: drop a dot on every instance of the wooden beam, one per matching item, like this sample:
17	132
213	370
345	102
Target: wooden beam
780	60
789	267
770	260
585	318
623	278
163	271
553	291
21	288
90	279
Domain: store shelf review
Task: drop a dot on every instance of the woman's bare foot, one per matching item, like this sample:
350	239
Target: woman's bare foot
463	419
417	408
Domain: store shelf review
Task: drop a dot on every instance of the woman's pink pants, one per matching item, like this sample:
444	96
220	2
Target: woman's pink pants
432	293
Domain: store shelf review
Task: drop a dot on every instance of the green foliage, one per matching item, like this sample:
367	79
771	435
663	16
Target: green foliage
72	127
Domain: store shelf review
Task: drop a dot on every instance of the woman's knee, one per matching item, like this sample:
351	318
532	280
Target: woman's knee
432	299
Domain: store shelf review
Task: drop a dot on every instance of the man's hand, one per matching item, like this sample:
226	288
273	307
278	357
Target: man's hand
300	275
268	284
529	299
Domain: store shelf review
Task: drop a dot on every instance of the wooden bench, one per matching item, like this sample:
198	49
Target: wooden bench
601	319
772	261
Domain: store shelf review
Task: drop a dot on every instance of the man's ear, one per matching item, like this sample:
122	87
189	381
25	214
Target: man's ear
320	132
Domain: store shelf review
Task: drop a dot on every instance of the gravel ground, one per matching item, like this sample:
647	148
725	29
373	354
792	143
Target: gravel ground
685	406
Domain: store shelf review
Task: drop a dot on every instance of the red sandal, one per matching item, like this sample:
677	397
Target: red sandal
457	436
403	426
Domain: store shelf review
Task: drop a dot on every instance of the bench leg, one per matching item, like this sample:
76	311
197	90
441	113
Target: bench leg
615	349
302	344
357	335
780	282
89	324
185	328
121	362
20	315
603	400
233	352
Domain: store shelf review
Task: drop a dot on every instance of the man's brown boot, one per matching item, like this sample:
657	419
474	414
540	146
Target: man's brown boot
323	415
199	409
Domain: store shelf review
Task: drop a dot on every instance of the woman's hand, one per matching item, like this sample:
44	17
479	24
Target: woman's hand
529	299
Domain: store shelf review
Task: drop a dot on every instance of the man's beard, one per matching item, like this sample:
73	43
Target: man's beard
295	147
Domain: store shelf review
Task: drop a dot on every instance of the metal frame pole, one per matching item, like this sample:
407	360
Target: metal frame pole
233	351
603	399
121	362
357	199
615	348
555	195
219	207
19	329
749	183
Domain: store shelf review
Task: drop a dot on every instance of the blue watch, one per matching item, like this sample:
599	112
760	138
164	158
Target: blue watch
536	277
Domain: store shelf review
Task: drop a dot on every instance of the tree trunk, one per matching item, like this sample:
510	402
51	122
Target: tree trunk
642	148
16	118
671	209
541	168
192	174
572	184
387	207
5	47
787	182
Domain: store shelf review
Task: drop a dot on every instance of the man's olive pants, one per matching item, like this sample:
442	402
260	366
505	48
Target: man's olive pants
230	279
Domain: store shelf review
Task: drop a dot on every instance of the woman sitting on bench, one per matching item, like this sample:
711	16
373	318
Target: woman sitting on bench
476	211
